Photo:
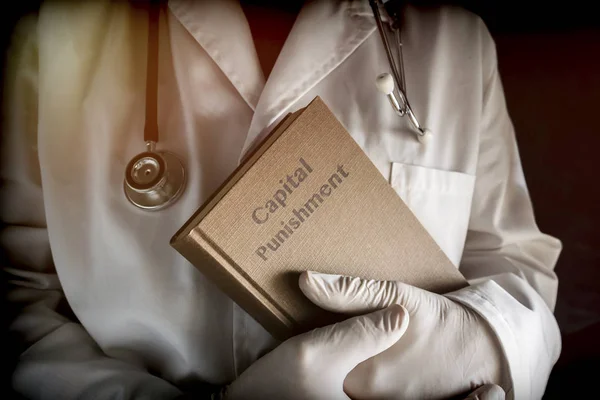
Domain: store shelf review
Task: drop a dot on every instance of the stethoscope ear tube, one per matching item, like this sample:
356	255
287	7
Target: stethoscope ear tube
151	121
388	51
393	86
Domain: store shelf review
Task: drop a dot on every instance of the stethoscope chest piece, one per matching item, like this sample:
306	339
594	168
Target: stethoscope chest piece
154	180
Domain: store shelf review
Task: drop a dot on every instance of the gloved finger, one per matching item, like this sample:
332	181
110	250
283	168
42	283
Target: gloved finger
357	339
347	294
487	392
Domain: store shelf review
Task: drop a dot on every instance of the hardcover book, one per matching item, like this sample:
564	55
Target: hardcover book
308	198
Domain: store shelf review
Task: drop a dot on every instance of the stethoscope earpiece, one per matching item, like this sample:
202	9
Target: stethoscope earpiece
425	137
385	84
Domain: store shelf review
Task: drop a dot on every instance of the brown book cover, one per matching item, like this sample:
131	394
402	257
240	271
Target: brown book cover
308	198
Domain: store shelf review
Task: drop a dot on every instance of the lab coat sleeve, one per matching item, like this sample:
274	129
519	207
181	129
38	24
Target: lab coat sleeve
507	260
57	358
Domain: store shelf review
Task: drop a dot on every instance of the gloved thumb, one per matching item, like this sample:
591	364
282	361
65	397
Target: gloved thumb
487	392
352	295
357	339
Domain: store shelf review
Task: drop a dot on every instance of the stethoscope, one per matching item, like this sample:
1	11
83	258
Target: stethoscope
155	179
394	85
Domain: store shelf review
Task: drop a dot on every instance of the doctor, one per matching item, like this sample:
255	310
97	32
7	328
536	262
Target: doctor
143	323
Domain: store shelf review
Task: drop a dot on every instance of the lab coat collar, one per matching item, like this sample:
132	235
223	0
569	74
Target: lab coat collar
324	34
222	30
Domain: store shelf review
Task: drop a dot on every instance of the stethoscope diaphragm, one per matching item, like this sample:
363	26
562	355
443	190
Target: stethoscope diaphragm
154	180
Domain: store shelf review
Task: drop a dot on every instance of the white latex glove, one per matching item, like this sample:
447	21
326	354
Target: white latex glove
448	349
487	392
314	365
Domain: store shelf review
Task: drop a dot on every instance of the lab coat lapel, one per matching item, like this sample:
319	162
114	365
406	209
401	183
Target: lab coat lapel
323	36
221	28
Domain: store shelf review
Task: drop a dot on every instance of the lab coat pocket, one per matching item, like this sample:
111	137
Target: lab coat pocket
441	201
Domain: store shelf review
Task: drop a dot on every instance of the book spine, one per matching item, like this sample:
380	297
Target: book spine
205	255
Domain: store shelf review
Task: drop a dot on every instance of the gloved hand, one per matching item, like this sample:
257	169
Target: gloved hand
314	365
448	349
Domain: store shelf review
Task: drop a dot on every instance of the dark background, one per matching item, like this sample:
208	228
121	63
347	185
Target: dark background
549	57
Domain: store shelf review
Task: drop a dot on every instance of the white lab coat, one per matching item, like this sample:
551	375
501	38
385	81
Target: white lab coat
75	115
